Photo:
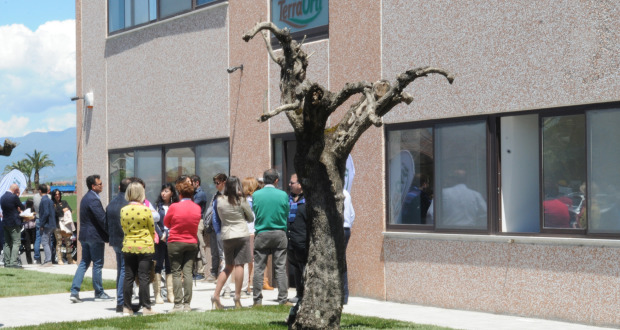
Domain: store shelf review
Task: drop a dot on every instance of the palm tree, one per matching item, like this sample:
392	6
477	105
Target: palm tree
39	160
24	166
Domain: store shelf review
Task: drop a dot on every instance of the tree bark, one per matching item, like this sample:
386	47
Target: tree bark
320	163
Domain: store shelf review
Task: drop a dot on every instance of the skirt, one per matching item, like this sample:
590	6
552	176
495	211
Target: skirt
237	251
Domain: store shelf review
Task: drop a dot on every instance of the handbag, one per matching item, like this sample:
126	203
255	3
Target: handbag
66	223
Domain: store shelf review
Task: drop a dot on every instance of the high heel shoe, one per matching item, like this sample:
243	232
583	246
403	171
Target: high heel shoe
237	300
215	303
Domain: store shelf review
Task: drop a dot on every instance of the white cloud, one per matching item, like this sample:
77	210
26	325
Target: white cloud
61	121
15	126
37	74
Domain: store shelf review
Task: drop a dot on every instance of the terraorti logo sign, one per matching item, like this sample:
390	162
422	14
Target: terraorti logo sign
299	14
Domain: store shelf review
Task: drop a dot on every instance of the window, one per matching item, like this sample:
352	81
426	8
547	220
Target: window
157	165
148	168
284	149
121	166
123	14
172	7
437	176
302	17
564	170
549	171
603	183
127	14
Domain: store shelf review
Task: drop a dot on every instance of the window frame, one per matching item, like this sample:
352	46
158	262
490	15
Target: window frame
158	17
493	146
163	148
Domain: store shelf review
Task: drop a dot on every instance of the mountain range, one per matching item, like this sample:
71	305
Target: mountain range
61	146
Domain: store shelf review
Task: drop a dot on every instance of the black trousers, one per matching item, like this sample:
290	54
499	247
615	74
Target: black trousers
161	257
29	238
298	258
137	264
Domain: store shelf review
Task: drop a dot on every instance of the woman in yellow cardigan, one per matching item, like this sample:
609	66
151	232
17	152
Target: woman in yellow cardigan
138	247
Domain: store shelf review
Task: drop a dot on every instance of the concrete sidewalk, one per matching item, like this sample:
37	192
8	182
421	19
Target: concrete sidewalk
57	307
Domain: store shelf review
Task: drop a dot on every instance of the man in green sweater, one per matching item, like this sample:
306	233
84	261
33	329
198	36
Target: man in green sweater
271	208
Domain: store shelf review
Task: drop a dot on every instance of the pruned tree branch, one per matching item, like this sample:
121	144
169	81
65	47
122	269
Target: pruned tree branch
278	110
395	94
278	60
347	91
282	35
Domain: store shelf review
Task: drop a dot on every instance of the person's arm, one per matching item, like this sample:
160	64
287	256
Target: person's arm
168	217
247	211
216	219
99	214
349	212
65	206
154	213
151	225
124	224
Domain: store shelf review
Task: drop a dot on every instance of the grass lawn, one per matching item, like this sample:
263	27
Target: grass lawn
265	317
20	282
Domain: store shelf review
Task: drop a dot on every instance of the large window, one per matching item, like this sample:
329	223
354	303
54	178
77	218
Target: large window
437	176
157	165
549	172
126	14
309	18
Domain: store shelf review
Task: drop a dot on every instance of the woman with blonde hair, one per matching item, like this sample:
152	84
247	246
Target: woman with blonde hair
138	247
234	212
250	185
182	220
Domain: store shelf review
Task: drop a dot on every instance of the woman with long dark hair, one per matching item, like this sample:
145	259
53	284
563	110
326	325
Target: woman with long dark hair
167	196
63	237
234	212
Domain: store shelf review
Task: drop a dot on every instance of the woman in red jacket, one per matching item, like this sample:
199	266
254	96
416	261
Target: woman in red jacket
182	218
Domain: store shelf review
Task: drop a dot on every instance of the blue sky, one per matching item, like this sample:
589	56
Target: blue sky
37	66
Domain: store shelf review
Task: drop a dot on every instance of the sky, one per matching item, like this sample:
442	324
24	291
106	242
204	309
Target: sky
37	66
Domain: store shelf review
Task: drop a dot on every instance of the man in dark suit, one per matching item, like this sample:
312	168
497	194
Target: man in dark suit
113	219
11	207
47	223
92	236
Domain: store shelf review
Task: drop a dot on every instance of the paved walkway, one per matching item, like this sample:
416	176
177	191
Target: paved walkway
57	307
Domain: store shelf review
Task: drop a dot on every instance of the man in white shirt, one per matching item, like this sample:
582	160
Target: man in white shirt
349	217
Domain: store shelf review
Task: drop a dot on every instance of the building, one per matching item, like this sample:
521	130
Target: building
499	193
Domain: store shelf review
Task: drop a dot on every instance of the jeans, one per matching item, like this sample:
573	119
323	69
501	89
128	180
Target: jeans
12	241
345	280
215	254
37	242
90	252
45	240
265	243
162	260
182	261
138	265
120	274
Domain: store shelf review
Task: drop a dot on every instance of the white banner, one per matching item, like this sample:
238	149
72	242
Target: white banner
15	176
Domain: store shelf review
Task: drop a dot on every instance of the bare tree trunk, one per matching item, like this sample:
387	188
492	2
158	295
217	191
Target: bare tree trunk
322	180
320	164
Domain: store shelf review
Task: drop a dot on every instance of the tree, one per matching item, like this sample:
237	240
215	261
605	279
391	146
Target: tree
39	161
7	148
320	162
23	166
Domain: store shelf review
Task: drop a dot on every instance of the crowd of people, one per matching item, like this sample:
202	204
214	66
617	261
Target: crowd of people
40	220
246	221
